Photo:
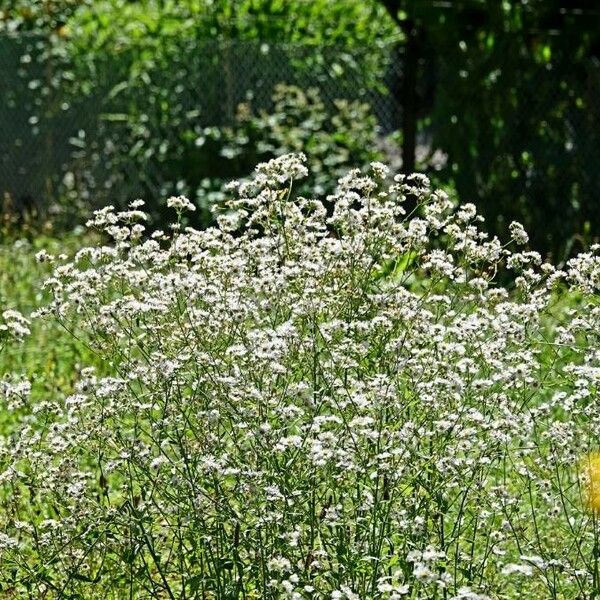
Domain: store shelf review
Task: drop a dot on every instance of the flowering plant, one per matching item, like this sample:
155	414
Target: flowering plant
305	404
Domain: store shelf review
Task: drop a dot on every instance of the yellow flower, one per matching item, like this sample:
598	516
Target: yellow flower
591	470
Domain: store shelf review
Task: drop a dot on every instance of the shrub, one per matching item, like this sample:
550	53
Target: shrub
105	100
292	404
139	155
334	137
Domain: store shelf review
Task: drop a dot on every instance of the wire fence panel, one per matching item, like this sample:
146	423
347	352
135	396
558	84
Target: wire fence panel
523	142
55	136
526	146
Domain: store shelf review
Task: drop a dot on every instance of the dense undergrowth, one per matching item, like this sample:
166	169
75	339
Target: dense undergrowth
303	404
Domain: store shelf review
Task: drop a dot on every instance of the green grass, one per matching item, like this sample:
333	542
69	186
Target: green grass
49	356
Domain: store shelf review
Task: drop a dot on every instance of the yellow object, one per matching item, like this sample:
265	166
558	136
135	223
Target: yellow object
592	480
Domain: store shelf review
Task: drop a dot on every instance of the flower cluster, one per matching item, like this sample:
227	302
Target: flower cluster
180	203
13	325
312	400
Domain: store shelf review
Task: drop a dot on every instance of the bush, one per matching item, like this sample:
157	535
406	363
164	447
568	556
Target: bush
335	139
308	406
105	100
141	157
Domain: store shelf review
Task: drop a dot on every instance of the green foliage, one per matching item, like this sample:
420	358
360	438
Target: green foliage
123	21
515	110
322	21
333	140
196	161
51	357
139	99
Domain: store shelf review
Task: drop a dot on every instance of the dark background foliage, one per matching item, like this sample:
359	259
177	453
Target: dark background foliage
106	101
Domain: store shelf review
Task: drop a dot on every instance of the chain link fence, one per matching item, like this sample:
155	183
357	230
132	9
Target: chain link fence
58	134
523	143
102	132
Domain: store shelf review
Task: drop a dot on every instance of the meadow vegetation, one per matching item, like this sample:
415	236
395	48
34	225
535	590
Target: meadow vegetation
334	397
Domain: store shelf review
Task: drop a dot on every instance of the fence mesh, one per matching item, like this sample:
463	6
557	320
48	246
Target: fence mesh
52	131
85	129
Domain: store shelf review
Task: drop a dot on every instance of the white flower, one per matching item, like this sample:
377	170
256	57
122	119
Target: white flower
380	170
7	542
518	233
297	388
14	324
513	568
180	203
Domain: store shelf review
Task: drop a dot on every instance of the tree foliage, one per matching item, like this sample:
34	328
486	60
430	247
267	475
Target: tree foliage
515	109
507	91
